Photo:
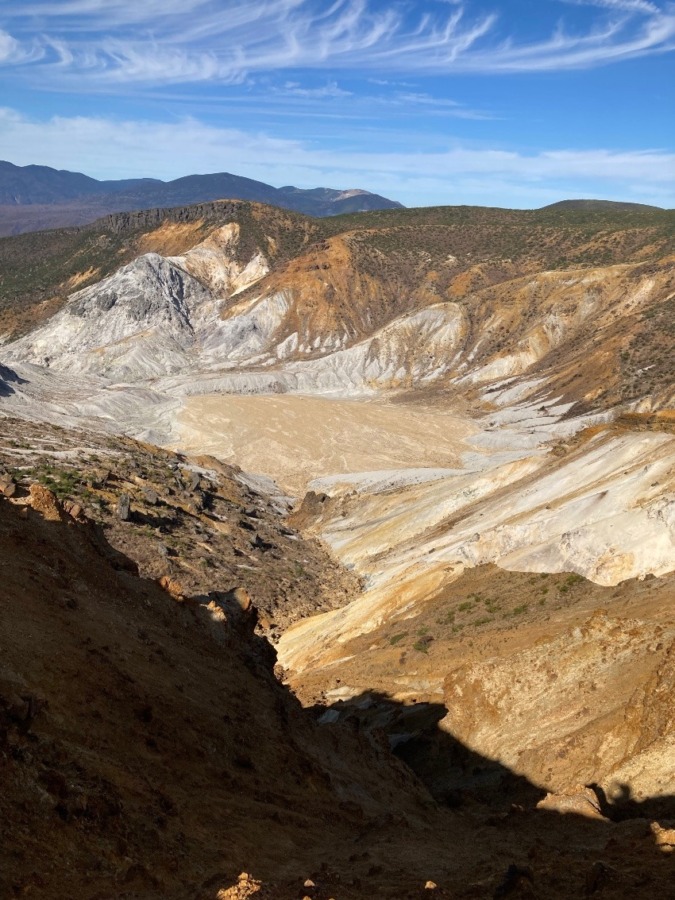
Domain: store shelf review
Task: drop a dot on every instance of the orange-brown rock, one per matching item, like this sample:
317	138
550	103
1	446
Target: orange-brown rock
580	801
43	501
664	837
172	587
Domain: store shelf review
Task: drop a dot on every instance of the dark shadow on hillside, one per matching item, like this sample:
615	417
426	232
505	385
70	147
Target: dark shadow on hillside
457	776
178	762
7	378
454	775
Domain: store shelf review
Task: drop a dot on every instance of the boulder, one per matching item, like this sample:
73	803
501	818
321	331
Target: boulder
73	509
7	488
151	497
123	510
664	837
172	587
580	801
42	500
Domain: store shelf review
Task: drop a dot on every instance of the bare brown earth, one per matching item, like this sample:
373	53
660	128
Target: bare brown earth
147	751
193	521
563	681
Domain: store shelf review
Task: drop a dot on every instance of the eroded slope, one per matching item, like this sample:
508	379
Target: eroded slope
147	750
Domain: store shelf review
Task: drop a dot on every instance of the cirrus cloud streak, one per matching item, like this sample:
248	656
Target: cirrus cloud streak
158	42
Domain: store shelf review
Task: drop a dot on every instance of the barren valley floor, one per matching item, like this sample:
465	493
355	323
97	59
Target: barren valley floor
295	439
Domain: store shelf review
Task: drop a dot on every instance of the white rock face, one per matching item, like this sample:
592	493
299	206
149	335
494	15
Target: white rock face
607	513
156	316
246	332
137	323
413	349
214	263
153	319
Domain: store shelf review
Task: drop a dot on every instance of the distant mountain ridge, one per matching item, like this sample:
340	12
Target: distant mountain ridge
37	197
21	185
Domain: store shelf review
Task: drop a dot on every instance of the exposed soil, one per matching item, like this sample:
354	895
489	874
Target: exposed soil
146	751
295	439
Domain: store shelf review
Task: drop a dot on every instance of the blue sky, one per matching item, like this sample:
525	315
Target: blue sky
516	103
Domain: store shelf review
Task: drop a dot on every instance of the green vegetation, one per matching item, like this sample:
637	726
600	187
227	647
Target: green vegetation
399	247
422	645
574	579
62	482
516	611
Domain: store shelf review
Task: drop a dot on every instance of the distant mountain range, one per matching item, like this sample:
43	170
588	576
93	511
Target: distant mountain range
37	197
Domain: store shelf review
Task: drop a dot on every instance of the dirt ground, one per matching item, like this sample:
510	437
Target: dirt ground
295	439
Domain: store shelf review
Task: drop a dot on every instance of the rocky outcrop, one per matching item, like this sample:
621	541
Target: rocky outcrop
588	706
8	381
136	323
200	527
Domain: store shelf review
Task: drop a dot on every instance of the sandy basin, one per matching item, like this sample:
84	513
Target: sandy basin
295	438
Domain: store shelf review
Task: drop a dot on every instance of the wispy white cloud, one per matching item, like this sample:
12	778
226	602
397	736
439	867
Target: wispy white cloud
13	52
631	6
327	91
387	82
93	15
431	105
8	47
158	42
109	148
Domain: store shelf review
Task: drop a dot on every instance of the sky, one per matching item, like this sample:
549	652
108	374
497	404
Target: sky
514	103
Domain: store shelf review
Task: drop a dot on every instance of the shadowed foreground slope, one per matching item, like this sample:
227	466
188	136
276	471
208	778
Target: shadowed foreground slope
146	750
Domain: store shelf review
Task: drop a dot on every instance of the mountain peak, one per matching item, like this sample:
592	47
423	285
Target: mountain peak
37	197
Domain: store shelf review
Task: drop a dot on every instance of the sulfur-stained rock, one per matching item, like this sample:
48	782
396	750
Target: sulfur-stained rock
42	500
